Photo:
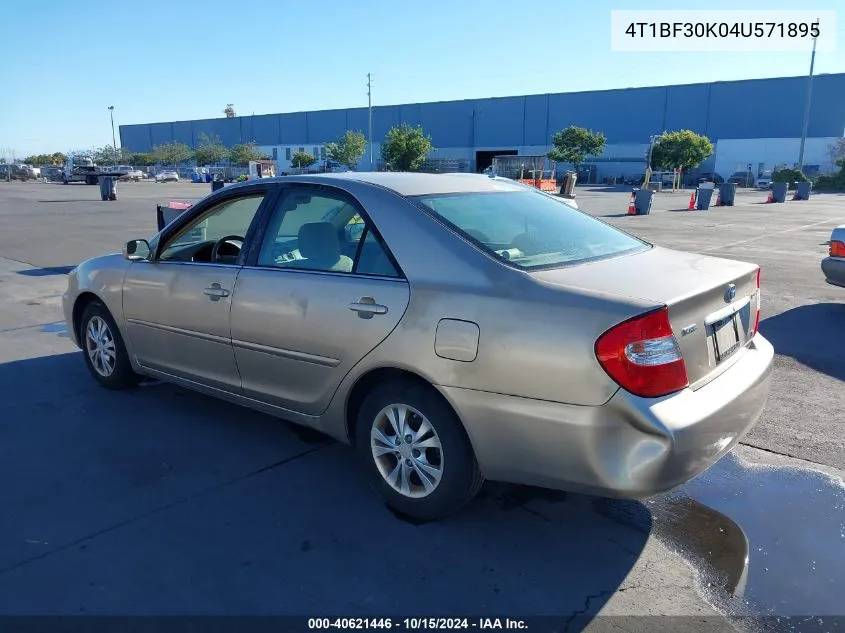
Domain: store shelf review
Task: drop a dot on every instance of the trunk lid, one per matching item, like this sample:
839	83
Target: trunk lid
712	302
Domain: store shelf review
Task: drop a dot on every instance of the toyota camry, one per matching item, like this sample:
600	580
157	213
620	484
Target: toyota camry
451	328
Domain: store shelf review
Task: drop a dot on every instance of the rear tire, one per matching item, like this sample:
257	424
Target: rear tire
104	350
428	483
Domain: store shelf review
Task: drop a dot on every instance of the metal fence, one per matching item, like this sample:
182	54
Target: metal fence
437	166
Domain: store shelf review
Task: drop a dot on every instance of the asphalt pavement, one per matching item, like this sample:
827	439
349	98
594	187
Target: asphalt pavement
160	501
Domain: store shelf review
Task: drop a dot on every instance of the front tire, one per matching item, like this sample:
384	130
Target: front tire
104	350
415	452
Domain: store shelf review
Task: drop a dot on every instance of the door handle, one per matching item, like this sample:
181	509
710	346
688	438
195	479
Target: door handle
366	307
216	292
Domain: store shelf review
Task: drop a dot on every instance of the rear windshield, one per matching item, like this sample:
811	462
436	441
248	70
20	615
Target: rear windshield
528	229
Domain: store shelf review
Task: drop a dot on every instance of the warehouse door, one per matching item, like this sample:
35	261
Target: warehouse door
484	159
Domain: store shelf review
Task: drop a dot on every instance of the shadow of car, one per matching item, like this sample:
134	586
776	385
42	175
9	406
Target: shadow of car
233	504
811	334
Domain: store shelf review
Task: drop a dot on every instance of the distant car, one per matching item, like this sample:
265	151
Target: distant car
452	327
24	172
710	177
167	176
833	266
764	182
52	173
131	174
742	179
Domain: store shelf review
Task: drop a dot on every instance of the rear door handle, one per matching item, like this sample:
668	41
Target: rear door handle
366	307
216	292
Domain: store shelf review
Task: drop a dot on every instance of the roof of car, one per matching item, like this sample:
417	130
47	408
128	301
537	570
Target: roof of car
413	184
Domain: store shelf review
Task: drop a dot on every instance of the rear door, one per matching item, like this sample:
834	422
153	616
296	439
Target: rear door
320	292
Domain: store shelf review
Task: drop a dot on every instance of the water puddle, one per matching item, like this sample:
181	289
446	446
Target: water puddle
767	540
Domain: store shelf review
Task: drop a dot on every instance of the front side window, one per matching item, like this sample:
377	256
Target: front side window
196	241
528	229
312	230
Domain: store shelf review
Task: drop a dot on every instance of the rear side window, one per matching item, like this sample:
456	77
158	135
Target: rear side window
528	229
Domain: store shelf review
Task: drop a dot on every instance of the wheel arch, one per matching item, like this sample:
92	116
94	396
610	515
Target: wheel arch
365	383
85	298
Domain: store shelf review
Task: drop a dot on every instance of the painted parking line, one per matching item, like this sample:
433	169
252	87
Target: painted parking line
768	235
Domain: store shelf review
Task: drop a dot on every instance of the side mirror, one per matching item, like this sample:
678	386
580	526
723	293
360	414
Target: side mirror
137	250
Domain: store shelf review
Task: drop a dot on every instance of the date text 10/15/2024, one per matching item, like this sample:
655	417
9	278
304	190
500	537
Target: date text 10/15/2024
416	623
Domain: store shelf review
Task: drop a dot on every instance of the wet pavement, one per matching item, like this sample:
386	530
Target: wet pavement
767	540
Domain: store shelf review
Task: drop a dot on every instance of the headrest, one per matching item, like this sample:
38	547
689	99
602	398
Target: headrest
318	240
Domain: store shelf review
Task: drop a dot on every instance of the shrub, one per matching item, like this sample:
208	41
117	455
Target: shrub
787	174
833	182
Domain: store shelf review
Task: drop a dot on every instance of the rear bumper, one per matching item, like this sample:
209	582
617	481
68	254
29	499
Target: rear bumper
834	270
628	447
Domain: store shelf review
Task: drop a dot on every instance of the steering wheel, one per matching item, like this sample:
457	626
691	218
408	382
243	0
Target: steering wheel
215	250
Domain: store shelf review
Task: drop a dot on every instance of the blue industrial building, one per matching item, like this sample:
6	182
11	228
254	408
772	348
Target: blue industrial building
753	122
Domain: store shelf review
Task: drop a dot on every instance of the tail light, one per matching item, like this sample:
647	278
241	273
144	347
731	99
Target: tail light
642	355
837	249
757	316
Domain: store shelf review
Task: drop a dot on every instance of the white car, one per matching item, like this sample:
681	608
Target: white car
129	173
167	176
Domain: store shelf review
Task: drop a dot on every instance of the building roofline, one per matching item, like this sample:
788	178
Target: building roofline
523	96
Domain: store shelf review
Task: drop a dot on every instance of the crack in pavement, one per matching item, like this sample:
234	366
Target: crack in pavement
586	609
164	508
789	455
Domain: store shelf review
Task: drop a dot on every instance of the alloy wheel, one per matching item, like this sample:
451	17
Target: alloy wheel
99	344
407	450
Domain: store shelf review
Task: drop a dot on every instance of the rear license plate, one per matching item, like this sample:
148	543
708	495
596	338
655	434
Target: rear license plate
726	337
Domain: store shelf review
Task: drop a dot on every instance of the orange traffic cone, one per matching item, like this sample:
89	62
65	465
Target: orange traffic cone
691	205
771	197
632	208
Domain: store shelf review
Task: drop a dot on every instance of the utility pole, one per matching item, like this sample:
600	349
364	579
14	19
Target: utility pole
113	141
370	116
807	107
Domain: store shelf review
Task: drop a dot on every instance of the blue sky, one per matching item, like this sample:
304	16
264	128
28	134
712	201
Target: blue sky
177	60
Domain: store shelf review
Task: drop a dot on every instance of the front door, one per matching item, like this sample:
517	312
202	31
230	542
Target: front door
322	293
177	305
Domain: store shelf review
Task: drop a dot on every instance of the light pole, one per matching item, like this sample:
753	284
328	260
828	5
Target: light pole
113	141
807	107
370	116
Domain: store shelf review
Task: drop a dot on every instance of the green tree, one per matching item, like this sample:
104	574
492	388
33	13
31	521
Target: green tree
405	148
302	159
210	151
573	144
245	152
683	148
56	158
108	155
348	149
172	153
144	159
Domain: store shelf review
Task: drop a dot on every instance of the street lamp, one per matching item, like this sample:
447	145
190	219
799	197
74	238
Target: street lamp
113	141
807	108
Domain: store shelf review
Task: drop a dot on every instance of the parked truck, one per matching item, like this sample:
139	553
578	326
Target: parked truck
83	169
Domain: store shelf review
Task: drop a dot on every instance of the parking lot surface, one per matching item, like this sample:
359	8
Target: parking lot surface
162	501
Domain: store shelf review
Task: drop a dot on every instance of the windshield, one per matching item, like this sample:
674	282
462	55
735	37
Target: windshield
528	229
